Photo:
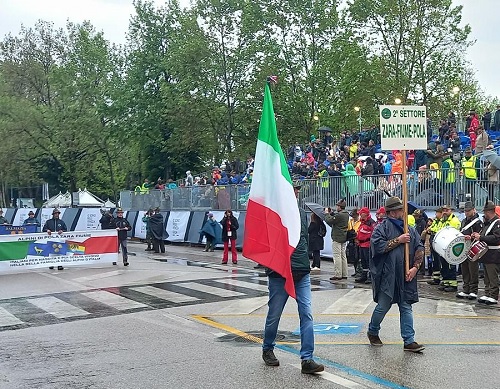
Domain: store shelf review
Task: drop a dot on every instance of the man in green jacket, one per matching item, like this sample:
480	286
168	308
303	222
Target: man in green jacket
339	222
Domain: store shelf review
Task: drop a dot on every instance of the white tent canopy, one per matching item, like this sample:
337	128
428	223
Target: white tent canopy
83	198
59	201
109	204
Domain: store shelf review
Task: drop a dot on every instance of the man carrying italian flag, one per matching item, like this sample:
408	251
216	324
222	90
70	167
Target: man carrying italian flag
276	237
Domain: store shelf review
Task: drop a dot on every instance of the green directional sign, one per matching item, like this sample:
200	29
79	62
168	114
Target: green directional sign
403	127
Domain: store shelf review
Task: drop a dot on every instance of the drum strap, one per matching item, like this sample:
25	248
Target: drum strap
488	231
470	224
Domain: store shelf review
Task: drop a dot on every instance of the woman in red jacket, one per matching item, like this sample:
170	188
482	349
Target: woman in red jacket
229	227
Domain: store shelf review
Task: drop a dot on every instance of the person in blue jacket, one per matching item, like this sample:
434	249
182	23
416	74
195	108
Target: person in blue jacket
31	221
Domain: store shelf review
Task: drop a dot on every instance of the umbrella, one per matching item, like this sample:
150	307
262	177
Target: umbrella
413	206
492	158
324	129
317	209
381	156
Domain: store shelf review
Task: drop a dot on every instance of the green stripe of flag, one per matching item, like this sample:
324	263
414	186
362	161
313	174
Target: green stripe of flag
13	250
268	132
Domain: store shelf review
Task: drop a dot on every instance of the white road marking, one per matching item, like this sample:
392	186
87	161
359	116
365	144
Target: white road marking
99	276
451	308
243	284
345	383
113	300
353	302
56	307
210	289
8	319
244	306
164	294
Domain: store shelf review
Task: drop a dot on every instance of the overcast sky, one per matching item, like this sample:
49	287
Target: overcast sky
112	17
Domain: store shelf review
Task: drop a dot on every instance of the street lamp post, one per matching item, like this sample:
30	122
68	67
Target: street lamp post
456	91
358	109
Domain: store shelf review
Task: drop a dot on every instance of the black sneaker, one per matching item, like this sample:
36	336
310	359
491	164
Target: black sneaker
450	288
414	347
60	268
374	340
51	267
269	358
125	263
114	263
434	281
311	367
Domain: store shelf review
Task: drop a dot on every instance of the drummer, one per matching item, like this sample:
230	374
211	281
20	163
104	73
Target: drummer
470	269
448	271
432	230
490	234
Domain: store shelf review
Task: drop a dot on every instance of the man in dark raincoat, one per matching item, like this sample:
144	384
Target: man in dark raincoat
157	227
390	284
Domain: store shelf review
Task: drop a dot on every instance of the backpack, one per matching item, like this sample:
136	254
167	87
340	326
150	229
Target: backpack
322	230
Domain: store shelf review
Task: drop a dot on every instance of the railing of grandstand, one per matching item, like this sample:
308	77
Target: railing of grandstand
426	188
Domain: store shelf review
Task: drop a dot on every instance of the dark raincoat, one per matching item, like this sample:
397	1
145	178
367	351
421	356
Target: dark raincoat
388	269
156	226
214	229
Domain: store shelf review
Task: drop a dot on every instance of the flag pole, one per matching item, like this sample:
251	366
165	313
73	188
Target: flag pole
405	210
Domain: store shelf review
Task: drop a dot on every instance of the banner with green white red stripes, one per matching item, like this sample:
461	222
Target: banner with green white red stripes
19	252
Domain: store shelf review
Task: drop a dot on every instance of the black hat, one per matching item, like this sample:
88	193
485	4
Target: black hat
341	203
468	206
489	206
393	203
55	211
31	213
119	210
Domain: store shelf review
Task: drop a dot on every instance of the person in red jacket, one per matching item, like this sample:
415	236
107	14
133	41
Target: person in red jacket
365	231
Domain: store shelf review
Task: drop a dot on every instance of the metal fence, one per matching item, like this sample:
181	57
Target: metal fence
427	188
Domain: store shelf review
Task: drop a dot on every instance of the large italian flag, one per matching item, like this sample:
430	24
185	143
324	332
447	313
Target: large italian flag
272	222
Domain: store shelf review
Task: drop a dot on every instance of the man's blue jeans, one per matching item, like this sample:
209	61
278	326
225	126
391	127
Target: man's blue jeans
277	300
405	318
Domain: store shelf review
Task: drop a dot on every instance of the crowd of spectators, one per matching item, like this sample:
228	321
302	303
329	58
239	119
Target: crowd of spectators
360	153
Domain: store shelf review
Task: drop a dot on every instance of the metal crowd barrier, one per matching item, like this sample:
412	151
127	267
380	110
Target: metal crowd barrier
426	188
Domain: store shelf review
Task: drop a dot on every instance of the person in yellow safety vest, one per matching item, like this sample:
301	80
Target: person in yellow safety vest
448	174
436	258
323	181
470	167
449	272
144	188
411	221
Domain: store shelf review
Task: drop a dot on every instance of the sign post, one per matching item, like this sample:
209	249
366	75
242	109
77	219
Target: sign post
403	127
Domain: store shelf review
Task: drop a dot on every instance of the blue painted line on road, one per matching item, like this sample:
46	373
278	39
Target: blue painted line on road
333	328
347	369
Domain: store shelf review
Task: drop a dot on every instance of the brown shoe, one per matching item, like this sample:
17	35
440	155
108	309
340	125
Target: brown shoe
414	347
374	340
335	278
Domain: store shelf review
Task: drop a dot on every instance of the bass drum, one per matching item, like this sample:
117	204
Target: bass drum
451	245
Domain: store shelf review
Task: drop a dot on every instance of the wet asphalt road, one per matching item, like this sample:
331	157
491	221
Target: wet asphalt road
190	322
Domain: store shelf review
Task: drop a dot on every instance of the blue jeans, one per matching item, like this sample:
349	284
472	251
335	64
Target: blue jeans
405	318
277	300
